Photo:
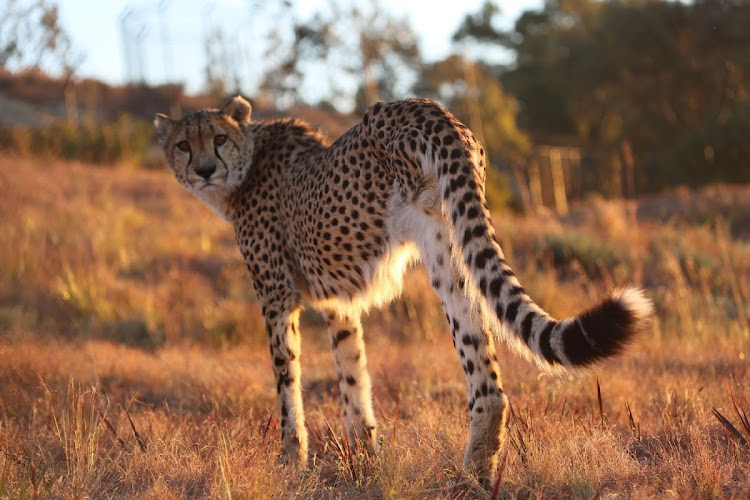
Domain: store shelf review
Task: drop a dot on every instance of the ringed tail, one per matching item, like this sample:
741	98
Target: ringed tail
599	332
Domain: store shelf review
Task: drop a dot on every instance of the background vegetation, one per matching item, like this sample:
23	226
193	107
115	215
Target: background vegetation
653	94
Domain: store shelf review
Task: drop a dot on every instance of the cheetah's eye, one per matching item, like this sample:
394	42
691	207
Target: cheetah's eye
183	146
220	139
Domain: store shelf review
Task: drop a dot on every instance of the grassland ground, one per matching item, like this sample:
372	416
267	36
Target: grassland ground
133	360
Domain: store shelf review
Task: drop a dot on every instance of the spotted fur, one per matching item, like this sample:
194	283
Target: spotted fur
335	225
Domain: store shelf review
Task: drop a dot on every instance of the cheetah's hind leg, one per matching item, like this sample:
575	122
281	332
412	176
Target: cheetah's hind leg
473	341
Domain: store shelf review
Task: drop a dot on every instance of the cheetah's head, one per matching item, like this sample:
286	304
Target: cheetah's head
209	151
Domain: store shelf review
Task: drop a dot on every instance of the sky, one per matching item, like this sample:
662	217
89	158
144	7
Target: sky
167	36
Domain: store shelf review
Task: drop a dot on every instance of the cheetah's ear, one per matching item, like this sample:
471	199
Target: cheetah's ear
238	109
163	126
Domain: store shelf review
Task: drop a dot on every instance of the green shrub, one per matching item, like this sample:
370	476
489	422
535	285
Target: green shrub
592	253
498	194
126	139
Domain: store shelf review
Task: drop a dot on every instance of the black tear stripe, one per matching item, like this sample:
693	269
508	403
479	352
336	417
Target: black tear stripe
226	167
189	162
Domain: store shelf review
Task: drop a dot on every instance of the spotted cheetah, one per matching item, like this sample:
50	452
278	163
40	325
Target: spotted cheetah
335	226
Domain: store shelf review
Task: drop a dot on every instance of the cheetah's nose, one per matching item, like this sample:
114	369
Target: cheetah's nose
205	171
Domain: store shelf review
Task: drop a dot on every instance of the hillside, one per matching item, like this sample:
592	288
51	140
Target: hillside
34	100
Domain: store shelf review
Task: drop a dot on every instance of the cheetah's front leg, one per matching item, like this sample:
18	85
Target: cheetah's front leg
281	314
354	381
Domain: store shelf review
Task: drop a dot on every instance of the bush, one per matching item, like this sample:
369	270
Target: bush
592	253
126	139
498	194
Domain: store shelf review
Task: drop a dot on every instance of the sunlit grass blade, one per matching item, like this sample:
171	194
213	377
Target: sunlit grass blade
138	438
742	416
731	429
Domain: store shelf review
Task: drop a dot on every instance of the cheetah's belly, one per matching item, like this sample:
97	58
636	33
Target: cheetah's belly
383	282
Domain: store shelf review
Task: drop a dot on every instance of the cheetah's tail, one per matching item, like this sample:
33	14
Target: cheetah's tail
598	333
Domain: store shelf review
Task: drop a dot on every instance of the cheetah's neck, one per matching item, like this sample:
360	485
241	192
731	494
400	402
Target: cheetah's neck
218	200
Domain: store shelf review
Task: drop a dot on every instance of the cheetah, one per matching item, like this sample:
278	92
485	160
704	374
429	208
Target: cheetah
335	225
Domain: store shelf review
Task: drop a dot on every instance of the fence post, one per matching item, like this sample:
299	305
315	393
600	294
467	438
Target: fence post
558	181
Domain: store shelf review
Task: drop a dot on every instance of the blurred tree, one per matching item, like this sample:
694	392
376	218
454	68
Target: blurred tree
344	56
481	26
31	37
391	59
222	77
667	81
290	54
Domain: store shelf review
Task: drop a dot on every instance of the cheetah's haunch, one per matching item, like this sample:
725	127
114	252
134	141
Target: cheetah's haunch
336	225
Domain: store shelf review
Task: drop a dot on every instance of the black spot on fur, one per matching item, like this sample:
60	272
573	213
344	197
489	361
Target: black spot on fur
483	256
495	287
512	311
340	336
499	311
526	326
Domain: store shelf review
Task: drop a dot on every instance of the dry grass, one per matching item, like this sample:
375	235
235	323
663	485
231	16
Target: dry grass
132	361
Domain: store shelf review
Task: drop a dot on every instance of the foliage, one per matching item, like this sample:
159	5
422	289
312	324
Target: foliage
496	190
222	72
668	78
654	93
350	56
32	37
124	140
590	252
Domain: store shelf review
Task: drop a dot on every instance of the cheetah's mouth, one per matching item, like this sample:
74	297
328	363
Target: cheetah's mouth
213	182
209	184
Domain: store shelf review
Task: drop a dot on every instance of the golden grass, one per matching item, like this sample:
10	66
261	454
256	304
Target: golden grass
133	364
